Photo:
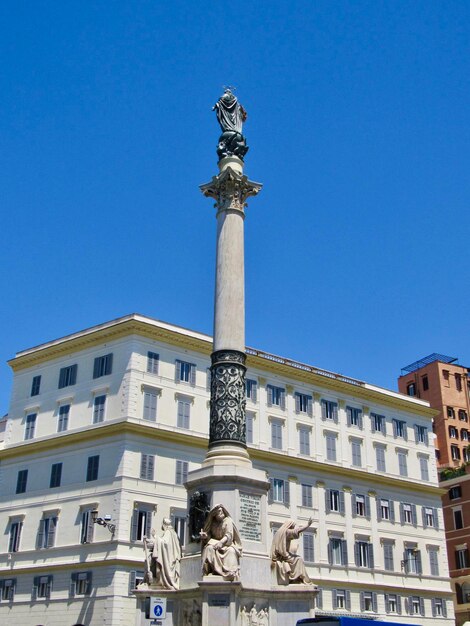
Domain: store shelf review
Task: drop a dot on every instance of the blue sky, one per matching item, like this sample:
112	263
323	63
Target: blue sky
358	127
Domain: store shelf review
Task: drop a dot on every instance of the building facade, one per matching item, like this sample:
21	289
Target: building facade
105	424
444	384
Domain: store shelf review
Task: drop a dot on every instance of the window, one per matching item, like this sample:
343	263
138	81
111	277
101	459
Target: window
184	407
80	584
21	481
42	587
46	532
464	434
150	405
330	439
337	551
334	501
7	589
103	366
279	491
36	386
421	434
56	475
307	499
147	464
185	372
411	389
453	433
388	556
392	603
179	524
458	518
276	396
434	561
251	389
356	452
250	418
450	412
466	454
425	383
329	410
445	376
402	465
152	362
385	510
408	513
361	505
455	453
30	426
461	558
87	525
458	382
63	423
304	440
439	608
15	536
92	468
342	599
415	605
364	555
463	415
308	547
378	423
424	467
368	601
98	409
276	435
399	429
303	403
455	492
354	416
412	561
181	472
380	458
141	522
68	376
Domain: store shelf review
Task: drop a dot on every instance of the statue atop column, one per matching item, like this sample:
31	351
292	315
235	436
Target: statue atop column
231	115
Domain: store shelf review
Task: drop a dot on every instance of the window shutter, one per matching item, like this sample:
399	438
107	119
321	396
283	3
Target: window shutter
359	419
148	523
286	493
379	509
310	406
11	590
406	562
73	374
335	413
423	514
335	599
426	441
444	607
319	599
330	553
402	514
254	391
435	519
387	608
132	581
354	510
109	364
421	606
323	410
398	604
391	505
405	431
347	594
90	528
179	473
395	428
297	403
96	367
409	605
433	607
370	549
374	602
192	376
34	593
361	602
356	554
367	503
413	515
89	580
348	415
51	532
433	562
73	585
344	552
177	371
372	426
327	500
150	467
270	395
342	508
49	586
135	519
419	565
388	557
40	537
143	466
271	491
416	434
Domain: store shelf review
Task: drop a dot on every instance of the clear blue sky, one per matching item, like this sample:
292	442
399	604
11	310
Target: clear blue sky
357	248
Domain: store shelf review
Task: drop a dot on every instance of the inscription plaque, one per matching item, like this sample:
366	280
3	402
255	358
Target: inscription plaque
250	517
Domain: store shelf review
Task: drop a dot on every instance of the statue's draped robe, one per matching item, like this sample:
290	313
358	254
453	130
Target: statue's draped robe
229	113
167	556
290	567
224	561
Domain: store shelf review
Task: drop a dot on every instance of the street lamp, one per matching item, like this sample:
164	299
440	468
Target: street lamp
103	521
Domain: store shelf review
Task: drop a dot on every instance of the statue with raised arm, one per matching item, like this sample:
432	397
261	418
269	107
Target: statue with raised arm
290	567
221	545
231	116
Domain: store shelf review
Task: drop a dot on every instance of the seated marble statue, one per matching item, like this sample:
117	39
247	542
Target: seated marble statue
163	556
221	545
289	566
